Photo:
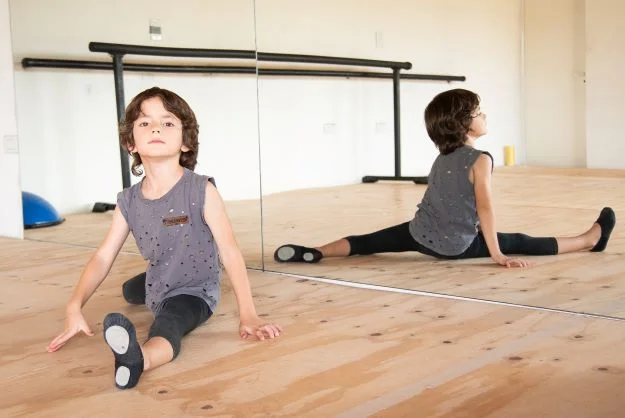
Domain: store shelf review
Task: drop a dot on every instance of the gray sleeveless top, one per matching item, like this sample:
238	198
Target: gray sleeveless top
446	220
172	234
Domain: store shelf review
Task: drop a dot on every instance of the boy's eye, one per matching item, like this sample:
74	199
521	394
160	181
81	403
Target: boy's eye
142	124
168	124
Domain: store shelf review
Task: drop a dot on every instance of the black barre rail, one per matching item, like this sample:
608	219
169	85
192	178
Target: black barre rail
219	69
157	68
317	59
117	52
162	51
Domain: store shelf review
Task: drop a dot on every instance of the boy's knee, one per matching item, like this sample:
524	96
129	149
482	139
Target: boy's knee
133	290
172	336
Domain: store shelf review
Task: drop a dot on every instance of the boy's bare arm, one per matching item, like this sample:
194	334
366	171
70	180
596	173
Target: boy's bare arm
100	262
482	170
218	222
92	276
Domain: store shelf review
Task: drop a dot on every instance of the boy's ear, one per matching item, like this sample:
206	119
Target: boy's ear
132	148
184	148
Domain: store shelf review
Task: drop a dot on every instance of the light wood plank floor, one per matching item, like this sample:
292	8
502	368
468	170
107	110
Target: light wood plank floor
532	200
345	353
540	202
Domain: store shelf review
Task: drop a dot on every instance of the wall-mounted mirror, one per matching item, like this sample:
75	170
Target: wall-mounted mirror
321	133
67	117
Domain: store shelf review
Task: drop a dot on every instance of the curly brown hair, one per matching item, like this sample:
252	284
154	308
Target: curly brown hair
448	118
174	104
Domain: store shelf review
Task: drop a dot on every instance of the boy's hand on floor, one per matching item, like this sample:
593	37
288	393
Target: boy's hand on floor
511	261
256	327
74	323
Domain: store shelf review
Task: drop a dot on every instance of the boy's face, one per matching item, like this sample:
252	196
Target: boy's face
157	132
478	124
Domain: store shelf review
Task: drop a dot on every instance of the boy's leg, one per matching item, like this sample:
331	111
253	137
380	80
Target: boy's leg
511	243
393	239
119	334
523	244
179	315
594	239
133	290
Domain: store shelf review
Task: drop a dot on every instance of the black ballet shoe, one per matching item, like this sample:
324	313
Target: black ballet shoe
119	334
291	253
606	220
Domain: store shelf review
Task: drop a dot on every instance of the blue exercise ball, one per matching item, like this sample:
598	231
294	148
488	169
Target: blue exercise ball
38	212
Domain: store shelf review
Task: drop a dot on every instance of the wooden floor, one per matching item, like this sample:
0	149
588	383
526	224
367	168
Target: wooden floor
536	201
531	200
346	352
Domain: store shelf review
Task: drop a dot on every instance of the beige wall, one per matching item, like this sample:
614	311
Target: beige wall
574	63
45	28
554	83
605	74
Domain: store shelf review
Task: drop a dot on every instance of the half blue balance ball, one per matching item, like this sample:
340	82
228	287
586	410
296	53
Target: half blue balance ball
38	212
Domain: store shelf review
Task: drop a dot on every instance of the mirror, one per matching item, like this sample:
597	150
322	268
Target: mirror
321	135
67	118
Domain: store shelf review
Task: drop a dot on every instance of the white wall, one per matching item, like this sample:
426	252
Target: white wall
605	94
574	87
11	222
320	132
554	61
67	118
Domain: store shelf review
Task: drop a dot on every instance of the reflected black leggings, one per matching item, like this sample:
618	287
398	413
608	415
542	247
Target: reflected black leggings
178	316
398	239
